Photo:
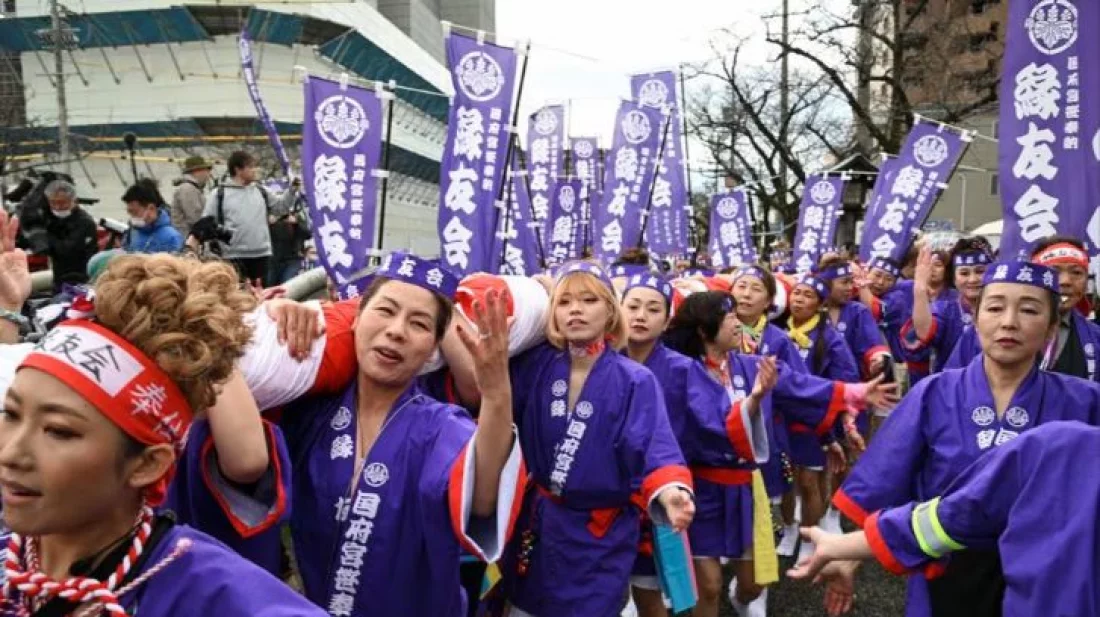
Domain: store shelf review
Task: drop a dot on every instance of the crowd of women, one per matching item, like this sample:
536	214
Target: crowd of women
155	445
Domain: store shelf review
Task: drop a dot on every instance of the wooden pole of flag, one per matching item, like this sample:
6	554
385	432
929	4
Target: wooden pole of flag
511	151
656	172
387	92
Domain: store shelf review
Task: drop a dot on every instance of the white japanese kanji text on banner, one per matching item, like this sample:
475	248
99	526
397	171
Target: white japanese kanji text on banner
341	148
473	163
920	173
545	150
667	225
565	230
628	177
821	199
1050	124
730	232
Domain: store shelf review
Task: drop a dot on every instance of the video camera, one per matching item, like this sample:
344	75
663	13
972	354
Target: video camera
33	206
209	233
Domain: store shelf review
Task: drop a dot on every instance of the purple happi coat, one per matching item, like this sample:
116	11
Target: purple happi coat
1087	342
246	520
1035	500
205	578
860	331
836	364
373	538
942	426
577	534
723	458
775	342
709	428
950	319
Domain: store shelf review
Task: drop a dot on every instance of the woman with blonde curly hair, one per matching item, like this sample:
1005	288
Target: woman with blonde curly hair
93	425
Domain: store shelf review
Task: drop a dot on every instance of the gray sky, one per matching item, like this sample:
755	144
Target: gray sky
583	51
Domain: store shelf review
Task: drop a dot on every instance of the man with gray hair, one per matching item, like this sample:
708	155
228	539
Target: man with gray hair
72	235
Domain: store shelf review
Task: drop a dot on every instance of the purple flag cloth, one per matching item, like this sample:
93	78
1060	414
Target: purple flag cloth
245	47
341	149
545	143
1050	124
876	242
472	167
566	221
628	177
833	212
517	230
667	225
820	200
586	166
730	233
925	164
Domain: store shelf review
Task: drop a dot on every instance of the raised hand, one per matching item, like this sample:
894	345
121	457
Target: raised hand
922	275
15	275
488	347
766	377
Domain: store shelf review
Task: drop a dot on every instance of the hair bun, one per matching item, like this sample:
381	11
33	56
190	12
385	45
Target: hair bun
188	316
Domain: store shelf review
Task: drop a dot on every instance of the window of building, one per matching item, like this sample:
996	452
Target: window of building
994	184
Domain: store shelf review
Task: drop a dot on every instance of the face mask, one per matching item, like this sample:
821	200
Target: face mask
137	222
62	214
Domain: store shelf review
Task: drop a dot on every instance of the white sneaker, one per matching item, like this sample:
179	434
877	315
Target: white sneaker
759	606
740	609
788	542
831	522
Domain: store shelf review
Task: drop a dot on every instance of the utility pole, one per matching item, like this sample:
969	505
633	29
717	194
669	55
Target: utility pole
784	102
60	38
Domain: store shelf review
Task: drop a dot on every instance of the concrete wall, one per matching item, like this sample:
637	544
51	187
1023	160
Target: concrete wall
982	202
206	89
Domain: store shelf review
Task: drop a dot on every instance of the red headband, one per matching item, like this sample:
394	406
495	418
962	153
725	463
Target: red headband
120	381
1063	253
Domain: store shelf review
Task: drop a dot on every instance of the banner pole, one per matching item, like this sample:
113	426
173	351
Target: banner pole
514	130
653	183
390	100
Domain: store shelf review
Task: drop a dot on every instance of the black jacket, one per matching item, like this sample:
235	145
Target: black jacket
73	241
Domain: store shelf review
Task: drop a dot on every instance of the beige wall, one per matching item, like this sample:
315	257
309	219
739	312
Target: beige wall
981	204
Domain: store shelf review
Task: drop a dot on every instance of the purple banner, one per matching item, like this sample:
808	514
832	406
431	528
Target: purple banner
730	232
925	164
821	199
875	241
586	155
517	230
667	225
1050	123
545	147
341	148
245	47
472	168
627	179
833	211
566	214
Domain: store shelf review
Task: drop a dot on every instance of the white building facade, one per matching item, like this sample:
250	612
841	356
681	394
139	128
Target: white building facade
171	74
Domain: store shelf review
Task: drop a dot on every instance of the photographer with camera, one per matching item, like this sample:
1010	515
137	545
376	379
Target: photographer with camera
240	208
71	235
151	229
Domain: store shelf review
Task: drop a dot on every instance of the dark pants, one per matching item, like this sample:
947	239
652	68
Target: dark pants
280	272
251	269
